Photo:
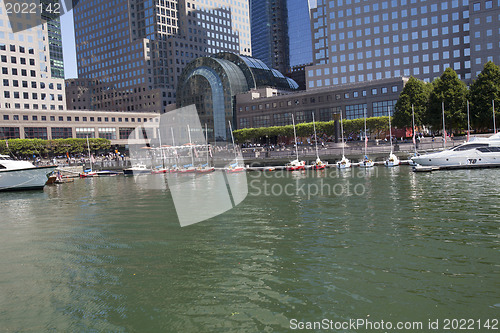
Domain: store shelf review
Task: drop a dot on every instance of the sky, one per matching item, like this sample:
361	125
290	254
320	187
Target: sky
69	49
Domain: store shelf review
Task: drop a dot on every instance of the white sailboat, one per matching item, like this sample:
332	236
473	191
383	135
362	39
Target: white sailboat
319	164
235	166
295	165
392	160
344	163
89	172
206	168
366	163
411	162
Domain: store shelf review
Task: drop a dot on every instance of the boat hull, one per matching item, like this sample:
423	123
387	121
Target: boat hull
319	167
366	164
25	179
136	171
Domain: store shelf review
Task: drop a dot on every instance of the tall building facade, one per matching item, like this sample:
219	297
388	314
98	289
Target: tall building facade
31	65
135	50
299	32
270	33
357	41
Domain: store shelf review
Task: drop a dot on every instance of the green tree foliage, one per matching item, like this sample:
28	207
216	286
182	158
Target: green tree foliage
484	90
452	91
416	93
375	126
29	147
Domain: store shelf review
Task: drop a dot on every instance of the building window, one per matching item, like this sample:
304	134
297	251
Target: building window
107	133
382	109
85	132
125	132
9	133
355	111
35	133
62	132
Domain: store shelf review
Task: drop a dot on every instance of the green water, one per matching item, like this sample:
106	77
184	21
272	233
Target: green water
105	255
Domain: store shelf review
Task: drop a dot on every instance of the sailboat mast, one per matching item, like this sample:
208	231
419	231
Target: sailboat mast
161	149
390	129
366	138
232	138
494	124
90	157
206	139
444	128
315	137
342	132
191	145
295	135
173	145
468	122
413	128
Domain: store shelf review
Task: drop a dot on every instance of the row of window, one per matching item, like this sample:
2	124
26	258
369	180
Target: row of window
16	117
7	133
353	111
27	106
26	95
13	48
34	84
320	99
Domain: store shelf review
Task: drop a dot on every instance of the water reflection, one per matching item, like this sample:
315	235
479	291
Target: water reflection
106	255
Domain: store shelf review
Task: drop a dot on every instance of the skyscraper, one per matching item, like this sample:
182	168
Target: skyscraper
358	41
31	64
299	32
135	50
270	33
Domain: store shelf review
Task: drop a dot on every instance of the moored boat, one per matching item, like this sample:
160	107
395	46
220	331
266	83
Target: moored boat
22	175
476	152
137	169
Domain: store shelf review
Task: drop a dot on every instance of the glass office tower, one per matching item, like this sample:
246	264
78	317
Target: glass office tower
270	33
135	50
358	41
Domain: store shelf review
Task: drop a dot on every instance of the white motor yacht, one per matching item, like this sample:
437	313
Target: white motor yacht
22	175
477	152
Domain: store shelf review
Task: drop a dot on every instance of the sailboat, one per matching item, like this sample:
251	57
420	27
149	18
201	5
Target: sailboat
412	162
393	160
234	167
162	168
344	163
295	165
206	168
319	164
188	168
88	172
366	163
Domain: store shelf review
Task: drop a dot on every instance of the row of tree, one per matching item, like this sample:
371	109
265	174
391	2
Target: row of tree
428	98
30	147
376	126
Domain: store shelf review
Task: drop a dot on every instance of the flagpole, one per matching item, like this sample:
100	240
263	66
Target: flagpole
468	122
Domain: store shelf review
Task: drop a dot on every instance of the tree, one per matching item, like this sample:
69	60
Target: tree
452	91
484	90
416	93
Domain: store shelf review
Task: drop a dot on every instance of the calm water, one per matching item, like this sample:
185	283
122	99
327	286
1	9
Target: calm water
105	255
